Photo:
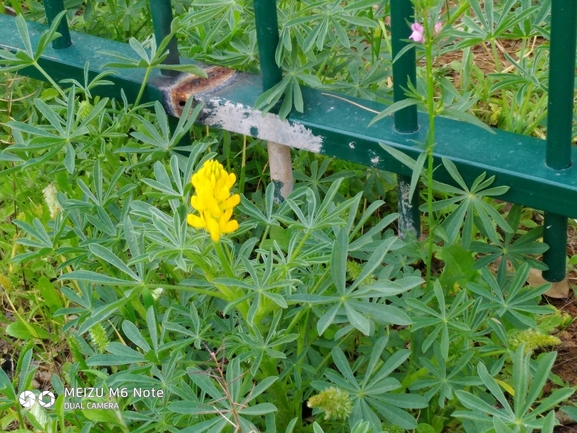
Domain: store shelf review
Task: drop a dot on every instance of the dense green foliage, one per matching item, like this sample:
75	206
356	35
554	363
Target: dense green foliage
106	286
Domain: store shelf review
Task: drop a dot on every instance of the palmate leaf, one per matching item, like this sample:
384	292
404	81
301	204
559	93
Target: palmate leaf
510	250
226	398
511	300
353	301
441	318
37	231
470	203
253	211
528	383
372	391
160	137
445	378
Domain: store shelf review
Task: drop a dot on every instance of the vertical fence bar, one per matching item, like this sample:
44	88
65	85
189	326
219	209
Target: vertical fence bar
52	9
161	11
404	71
268	38
280	162
559	124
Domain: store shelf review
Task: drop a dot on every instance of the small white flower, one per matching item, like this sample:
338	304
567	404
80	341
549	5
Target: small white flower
51	200
156	293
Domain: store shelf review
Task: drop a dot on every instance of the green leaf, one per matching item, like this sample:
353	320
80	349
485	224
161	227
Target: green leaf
259	409
549	423
500	426
454	172
466	117
493	387
393	108
374	261
291	425
24	35
387	314
425	428
459	266
571	411
49	35
417	170
269	98
378	349
139	49
477	405
111	360
342	364
70	158
48	293
360	4
399	156
317	428
327	319
339	261
357	319
262	386
5	156
107	417
26	331
201	379
134	335
108	256
556	397
95	277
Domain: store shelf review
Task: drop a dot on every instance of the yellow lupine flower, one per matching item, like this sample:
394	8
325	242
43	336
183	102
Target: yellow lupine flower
213	200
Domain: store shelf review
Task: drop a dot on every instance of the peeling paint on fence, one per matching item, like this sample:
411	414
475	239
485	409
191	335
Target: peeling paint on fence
246	120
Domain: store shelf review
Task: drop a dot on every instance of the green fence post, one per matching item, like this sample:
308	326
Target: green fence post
52	9
279	156
266	19
404	71
559	125
161	11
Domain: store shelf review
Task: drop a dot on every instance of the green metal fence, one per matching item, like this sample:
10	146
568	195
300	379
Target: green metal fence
539	173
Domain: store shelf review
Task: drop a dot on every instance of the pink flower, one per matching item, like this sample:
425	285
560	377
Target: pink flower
438	27
417	34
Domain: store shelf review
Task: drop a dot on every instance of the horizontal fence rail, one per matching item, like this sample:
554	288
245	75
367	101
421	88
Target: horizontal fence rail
337	125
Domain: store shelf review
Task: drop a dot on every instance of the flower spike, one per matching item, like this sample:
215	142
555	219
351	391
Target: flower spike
213	200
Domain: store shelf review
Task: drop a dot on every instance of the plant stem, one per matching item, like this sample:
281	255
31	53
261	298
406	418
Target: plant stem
50	80
524	107
300	246
224	257
463	7
233	294
538	109
143	86
264	235
242	167
504	105
296	318
430	145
